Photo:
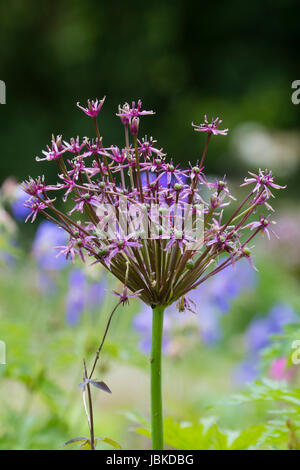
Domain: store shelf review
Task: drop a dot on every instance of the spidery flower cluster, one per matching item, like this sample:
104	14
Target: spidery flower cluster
155	258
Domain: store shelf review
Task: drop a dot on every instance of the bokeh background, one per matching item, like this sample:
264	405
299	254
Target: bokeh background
184	60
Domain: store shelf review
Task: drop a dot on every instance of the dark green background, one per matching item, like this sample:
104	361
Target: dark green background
234	59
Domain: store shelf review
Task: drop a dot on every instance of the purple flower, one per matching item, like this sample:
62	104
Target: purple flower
178	239
75	146
146	147
93	107
48	236
210	127
35	187
124	296
121	244
263	224
126	113
35	206
264	180
140	174
55	151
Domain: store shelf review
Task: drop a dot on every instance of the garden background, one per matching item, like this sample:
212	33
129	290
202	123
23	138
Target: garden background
184	60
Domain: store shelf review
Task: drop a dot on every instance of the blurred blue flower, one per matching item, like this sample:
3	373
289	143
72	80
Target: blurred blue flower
261	328
19	211
75	299
247	371
83	295
96	292
142	323
258	336
46	282
48	236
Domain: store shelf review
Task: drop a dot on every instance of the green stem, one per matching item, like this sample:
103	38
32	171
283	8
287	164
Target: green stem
156	395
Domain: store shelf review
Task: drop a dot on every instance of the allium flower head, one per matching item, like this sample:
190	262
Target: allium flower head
148	221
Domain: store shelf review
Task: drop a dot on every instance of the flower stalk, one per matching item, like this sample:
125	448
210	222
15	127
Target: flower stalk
156	378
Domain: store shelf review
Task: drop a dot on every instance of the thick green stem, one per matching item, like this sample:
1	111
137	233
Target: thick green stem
156	394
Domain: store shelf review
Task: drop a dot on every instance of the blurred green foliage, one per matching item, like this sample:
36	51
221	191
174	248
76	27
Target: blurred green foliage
42	405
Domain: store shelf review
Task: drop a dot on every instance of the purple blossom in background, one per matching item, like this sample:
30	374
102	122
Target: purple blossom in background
48	237
260	329
211	301
18	209
96	292
46	282
246	372
142	323
258	336
82	295
75	299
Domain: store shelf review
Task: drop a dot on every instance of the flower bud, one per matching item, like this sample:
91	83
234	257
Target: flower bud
190	264
141	234
102	252
246	251
134	125
214	201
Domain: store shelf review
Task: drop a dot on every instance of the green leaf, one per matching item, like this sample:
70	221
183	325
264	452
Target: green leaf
86	445
248	438
109	441
101	385
75	440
